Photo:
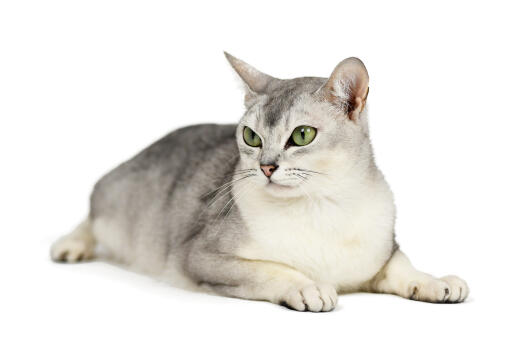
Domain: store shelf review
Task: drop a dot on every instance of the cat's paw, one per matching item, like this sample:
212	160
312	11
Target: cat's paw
449	289
69	249
314	298
459	289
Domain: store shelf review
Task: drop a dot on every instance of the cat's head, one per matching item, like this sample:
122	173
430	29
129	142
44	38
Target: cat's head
303	136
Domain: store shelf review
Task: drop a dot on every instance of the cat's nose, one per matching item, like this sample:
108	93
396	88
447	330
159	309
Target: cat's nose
268	169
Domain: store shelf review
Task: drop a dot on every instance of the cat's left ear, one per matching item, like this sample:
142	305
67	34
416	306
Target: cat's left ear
256	82
347	87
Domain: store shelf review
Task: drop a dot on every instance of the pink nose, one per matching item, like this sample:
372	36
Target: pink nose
268	170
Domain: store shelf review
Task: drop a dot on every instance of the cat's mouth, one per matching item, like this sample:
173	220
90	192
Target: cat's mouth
276	185
281	190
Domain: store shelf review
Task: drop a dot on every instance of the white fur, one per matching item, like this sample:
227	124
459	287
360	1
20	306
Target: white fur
310	234
117	247
343	240
401	278
75	246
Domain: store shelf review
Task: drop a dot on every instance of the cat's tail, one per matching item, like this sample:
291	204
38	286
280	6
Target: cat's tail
79	245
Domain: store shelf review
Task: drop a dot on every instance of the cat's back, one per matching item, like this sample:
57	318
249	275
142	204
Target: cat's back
170	174
143	210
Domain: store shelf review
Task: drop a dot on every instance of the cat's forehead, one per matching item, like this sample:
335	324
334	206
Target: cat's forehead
284	96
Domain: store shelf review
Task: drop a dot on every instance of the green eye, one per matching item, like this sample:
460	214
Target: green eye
251	138
303	135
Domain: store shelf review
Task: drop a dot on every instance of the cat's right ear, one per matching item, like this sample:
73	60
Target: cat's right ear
255	82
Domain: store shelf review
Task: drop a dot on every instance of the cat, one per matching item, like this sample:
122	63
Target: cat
288	206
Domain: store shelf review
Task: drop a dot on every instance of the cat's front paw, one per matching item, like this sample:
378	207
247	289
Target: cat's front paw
459	289
314	298
449	289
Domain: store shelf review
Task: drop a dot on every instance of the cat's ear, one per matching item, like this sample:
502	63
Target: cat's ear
256	82
347	87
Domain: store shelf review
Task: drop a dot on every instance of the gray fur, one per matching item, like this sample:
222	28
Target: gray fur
164	194
172	205
283	95
165	190
196	203
169	194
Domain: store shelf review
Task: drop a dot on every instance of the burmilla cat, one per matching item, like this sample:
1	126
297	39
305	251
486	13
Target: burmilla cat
287	206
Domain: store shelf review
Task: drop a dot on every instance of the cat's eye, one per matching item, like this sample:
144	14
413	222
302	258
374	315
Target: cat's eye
251	138
302	135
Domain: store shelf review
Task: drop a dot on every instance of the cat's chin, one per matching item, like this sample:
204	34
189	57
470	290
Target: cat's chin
282	191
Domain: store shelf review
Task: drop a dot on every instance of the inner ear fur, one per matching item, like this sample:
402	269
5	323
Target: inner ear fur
347	87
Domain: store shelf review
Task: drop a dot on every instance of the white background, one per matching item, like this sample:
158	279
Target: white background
87	84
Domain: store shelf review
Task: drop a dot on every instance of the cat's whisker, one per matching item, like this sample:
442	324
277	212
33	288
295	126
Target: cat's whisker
294	173
227	191
304	170
216	189
239	196
245	170
217	197
243	173
301	176
239	172
224	187
235	179
232	199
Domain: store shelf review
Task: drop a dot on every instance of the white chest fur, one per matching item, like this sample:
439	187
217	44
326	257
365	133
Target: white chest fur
341	243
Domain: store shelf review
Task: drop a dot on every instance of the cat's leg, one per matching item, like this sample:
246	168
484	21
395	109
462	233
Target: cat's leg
401	278
260	280
76	246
